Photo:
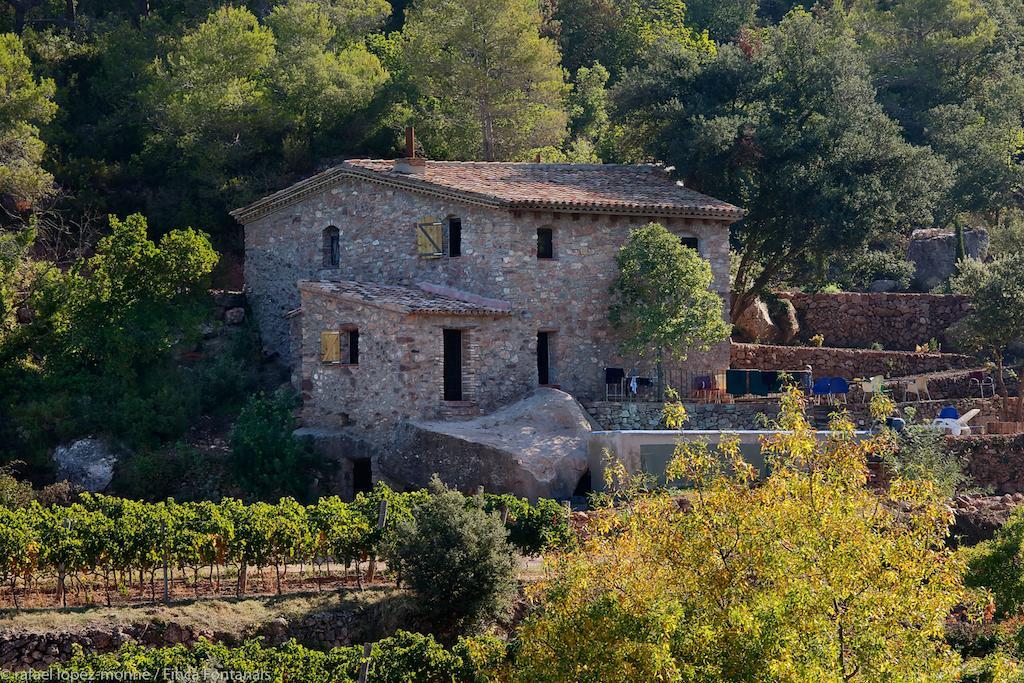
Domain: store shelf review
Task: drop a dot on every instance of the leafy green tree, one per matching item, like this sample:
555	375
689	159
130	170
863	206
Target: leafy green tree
663	299
925	53
484	65
237	102
998	566
315	84
722	19
810	575
27	103
587	105
267	460
996	318
787	126
122	308
457	561
211	114
620	33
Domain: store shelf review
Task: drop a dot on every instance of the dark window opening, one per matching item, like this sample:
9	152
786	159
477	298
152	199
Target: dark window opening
544	358
362	476
454	237
453	365
691	242
332	247
545	243
353	347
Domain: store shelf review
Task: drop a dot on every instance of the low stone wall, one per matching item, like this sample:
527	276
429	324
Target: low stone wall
848	363
995	462
611	415
22	651
896	321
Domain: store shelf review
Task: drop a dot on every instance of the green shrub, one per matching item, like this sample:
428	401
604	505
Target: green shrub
864	267
457	561
998	565
922	453
532	528
266	459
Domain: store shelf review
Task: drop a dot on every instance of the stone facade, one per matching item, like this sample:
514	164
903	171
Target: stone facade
399	374
847	363
899	322
566	295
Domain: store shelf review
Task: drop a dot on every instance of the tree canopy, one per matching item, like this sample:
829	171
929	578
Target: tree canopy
809	575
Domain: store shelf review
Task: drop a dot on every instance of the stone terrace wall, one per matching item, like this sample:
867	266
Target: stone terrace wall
995	462
848	363
896	321
613	415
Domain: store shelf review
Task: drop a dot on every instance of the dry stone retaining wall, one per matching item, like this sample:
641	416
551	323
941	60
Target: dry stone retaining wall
22	651
611	415
898	322
848	363
993	461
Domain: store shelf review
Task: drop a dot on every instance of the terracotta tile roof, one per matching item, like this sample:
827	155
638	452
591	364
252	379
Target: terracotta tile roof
410	300
604	188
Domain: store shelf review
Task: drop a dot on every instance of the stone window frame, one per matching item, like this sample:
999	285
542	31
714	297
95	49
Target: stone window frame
331	247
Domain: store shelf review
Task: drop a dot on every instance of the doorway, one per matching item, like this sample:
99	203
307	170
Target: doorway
362	476
453	365
544	358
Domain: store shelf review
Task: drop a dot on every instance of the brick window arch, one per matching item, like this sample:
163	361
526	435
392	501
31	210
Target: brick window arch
332	247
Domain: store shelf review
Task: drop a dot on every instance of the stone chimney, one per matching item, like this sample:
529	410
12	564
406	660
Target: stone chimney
410	165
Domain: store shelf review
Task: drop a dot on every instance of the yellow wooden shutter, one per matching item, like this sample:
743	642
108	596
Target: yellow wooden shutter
330	347
429	238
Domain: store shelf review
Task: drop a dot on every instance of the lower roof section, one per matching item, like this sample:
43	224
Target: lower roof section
422	299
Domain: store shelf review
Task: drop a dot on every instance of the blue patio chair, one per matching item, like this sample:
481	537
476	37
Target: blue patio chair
822	387
949	413
840	388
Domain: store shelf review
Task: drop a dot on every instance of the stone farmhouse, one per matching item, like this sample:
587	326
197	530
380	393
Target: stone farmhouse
425	290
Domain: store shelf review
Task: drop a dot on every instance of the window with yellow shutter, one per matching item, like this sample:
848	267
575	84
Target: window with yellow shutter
430	238
330	346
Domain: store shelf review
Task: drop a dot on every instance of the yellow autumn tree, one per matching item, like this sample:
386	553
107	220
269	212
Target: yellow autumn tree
806	575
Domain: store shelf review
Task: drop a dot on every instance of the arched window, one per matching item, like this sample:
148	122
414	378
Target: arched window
332	247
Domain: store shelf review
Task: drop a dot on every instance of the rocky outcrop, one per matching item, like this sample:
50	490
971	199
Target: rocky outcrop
755	324
535	448
933	253
86	463
978	517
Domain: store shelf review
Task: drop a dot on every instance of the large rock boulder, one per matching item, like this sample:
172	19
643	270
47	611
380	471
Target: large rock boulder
535	448
755	324
86	463
933	253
